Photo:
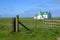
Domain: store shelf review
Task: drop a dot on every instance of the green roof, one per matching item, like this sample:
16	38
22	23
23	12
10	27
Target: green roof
43	12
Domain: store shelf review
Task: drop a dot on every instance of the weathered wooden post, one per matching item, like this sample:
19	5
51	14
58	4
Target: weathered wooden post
13	24
17	23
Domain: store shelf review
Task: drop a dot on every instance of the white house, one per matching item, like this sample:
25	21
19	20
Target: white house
43	15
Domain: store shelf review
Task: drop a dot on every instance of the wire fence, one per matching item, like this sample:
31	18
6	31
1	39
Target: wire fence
51	23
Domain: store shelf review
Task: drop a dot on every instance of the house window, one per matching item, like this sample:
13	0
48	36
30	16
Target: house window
45	16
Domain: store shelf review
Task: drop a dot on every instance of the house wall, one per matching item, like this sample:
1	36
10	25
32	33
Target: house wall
39	17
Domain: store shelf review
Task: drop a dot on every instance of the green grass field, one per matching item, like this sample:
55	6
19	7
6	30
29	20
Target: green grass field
37	30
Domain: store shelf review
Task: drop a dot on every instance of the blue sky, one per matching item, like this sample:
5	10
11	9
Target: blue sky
28	8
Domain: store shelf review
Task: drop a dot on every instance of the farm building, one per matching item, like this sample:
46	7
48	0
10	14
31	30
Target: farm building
43	15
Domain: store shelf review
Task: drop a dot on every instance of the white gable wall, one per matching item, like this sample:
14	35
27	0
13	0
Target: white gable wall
39	17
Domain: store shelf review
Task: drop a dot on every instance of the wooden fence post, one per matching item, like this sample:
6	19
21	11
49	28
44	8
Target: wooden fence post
17	23
13	24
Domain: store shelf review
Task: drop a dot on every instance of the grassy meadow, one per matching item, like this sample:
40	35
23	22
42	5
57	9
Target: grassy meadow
37	30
